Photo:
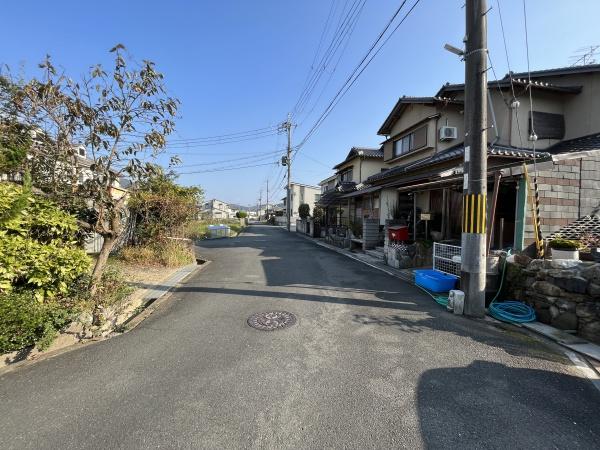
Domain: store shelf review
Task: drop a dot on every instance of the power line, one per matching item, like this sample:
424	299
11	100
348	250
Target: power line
510	77
342	32
234	135
354	75
223	169
257	157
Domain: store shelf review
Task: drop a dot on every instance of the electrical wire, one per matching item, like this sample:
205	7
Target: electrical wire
510	77
255	158
223	169
343	33
354	76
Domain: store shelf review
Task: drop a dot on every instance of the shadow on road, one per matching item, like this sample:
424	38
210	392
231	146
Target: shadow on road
523	406
314	274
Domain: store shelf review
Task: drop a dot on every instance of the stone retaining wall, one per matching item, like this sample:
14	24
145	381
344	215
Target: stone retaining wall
564	293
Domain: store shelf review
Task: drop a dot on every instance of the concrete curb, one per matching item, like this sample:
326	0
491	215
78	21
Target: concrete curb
158	296
151	301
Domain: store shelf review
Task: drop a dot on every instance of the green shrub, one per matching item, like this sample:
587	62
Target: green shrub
24	321
559	243
38	245
241	214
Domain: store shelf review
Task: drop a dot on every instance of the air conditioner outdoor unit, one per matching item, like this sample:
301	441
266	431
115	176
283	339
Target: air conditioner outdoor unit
448	133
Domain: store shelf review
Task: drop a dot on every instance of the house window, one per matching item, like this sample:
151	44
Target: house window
547	125
346	176
412	141
81	151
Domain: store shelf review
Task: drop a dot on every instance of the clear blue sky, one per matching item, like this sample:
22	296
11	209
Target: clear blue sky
240	65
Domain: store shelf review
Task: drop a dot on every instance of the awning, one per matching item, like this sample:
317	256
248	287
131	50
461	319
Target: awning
362	191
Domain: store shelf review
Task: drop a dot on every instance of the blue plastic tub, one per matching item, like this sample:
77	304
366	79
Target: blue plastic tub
435	281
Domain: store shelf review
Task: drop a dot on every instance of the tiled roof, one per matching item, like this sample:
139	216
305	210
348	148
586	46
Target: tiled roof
558	71
581	144
404	100
366	152
522	82
454	153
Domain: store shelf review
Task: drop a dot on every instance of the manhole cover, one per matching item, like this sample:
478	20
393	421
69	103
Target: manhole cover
272	320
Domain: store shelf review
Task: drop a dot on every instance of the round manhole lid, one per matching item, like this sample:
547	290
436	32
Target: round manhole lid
272	320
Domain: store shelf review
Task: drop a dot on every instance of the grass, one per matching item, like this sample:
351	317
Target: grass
167	253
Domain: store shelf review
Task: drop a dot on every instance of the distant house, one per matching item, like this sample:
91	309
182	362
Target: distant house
302	193
348	181
216	209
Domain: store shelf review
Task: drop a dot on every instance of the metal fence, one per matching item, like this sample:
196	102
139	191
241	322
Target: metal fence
447	258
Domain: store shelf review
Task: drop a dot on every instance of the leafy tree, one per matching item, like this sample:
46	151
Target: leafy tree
241	214
318	213
160	207
120	116
15	139
304	210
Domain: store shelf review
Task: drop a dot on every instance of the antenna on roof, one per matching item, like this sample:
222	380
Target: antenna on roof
585	55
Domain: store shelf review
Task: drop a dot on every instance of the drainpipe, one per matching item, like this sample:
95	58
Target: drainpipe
360	160
493	113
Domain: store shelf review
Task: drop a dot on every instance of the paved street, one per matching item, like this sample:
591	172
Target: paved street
371	363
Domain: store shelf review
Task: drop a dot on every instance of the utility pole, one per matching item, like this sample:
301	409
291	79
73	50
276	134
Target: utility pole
473	266
287	125
267	213
259	206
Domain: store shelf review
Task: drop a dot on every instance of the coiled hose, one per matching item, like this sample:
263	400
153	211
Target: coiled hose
510	311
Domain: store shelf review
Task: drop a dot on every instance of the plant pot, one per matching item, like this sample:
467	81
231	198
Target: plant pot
565	254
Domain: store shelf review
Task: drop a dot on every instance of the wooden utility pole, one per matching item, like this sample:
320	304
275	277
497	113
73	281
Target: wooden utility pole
473	267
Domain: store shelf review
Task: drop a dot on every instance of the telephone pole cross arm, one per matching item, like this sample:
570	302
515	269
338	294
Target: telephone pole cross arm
473	265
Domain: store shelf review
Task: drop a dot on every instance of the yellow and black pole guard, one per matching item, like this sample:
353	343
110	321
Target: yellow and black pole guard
474	213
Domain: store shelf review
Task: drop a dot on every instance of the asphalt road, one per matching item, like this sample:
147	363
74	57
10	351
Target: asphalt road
371	363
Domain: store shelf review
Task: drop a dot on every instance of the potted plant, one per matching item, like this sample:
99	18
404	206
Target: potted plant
564	248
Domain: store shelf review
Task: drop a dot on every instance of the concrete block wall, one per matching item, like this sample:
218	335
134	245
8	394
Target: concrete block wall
567	192
370	233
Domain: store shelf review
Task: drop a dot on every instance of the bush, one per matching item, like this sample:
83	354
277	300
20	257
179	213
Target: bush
318	213
24	321
304	210
38	245
241	214
167	253
559	243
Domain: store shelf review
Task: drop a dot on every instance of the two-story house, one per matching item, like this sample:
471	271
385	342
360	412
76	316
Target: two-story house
302	193
216	210
555	133
344	198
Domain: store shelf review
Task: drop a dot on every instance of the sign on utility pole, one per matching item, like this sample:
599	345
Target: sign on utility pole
473	267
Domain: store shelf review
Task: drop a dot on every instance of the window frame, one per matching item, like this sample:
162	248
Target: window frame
405	144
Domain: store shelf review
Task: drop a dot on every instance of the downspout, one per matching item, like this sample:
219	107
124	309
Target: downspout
493	113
